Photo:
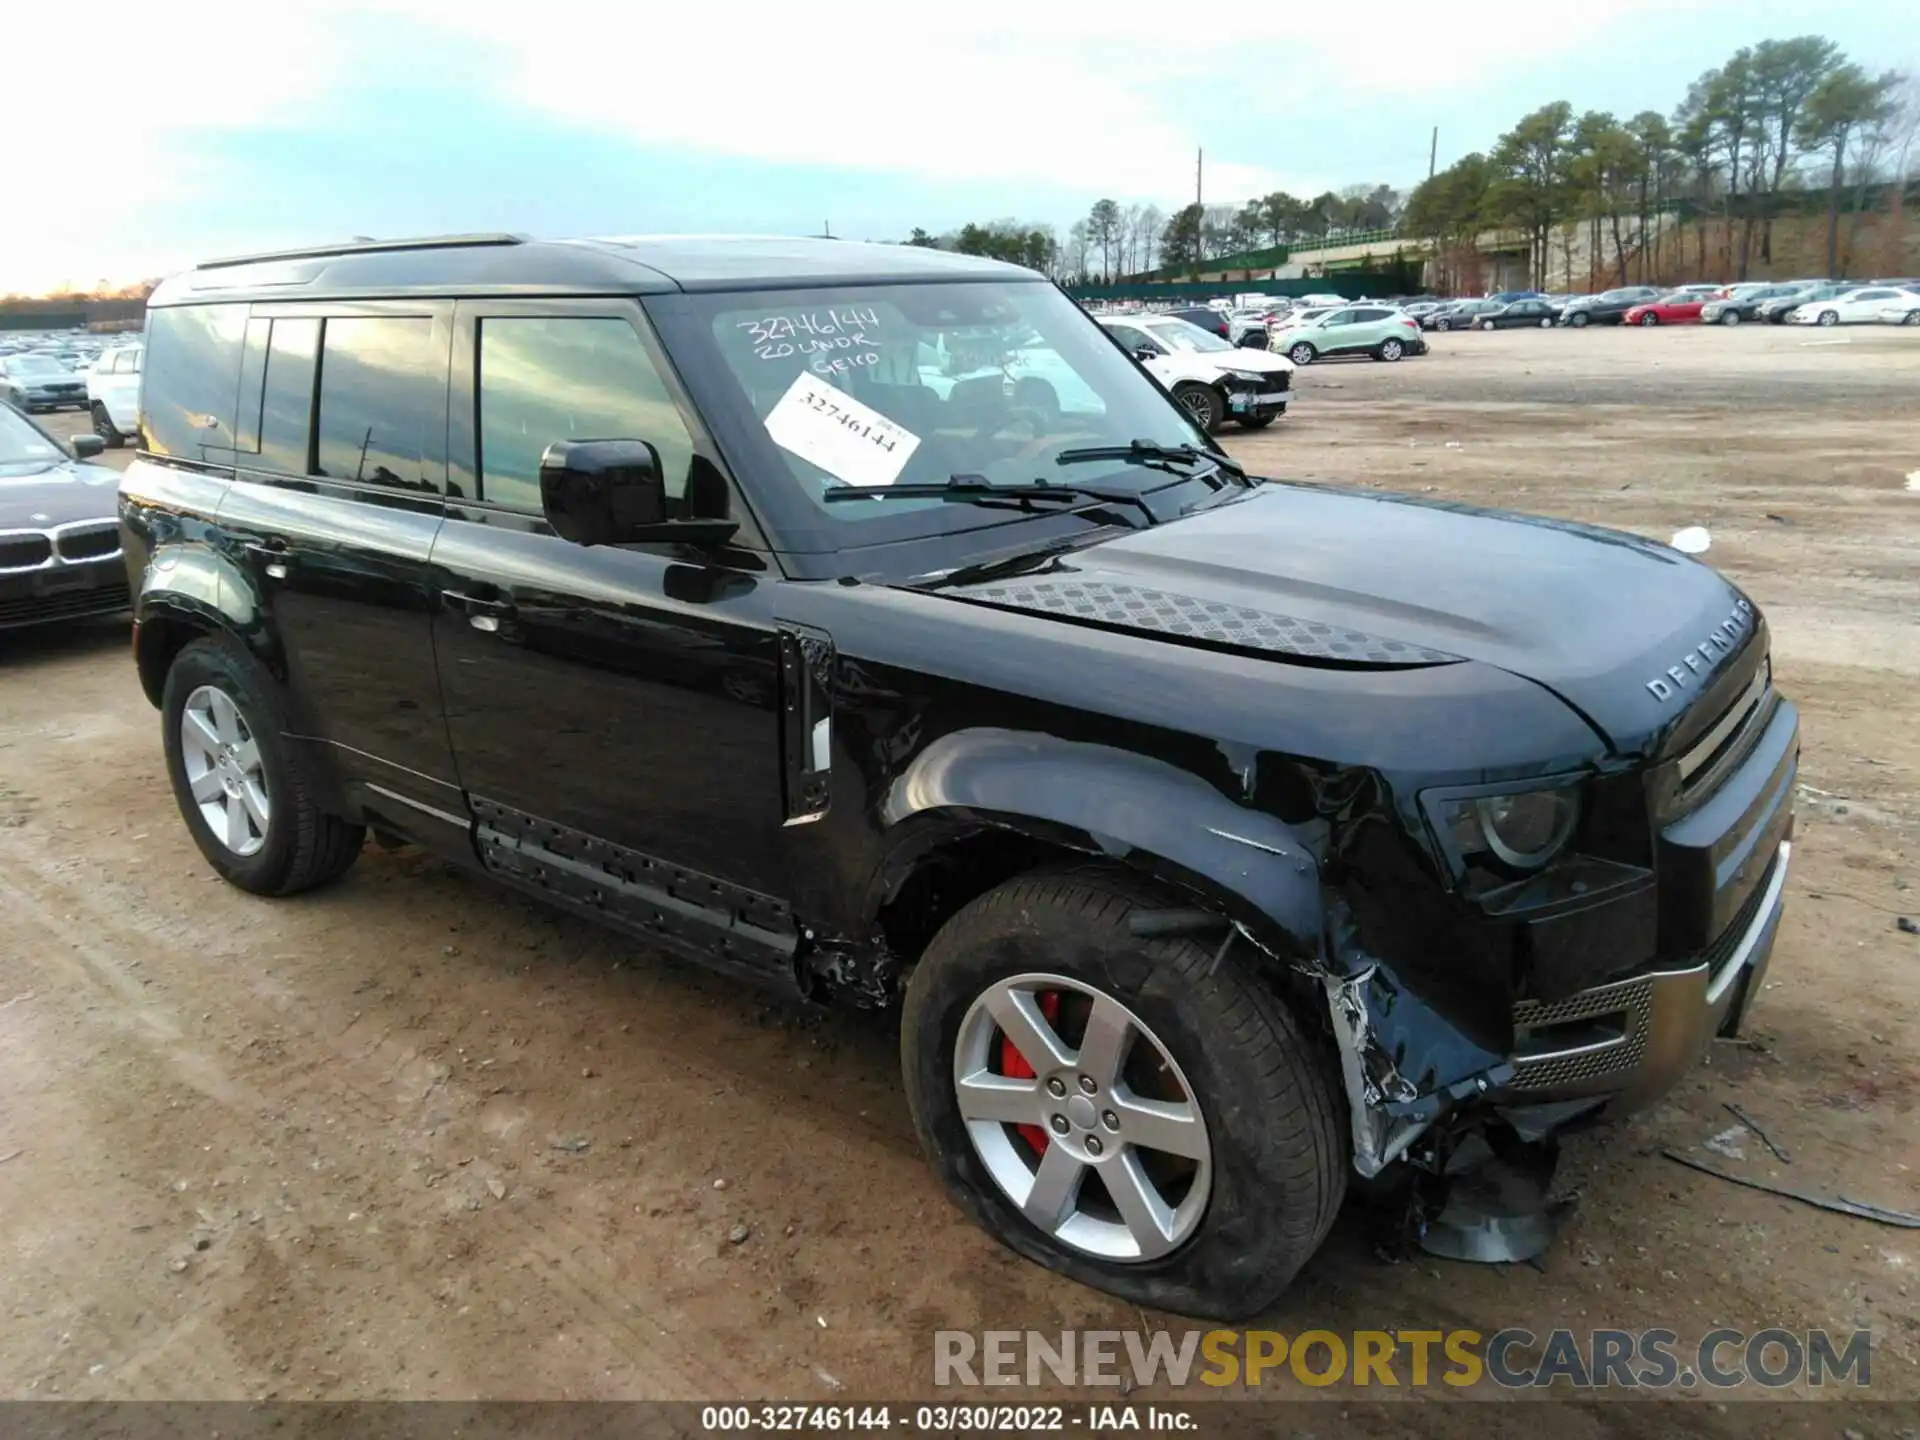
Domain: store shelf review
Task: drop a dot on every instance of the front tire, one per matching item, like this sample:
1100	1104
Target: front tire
1302	354
1201	403
1912	317
1649	319
1829	317
242	788
103	426
1185	1147
1546	323
1580	320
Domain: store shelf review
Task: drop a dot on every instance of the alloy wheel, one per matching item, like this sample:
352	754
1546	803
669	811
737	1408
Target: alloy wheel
1097	1139
1828	317
225	771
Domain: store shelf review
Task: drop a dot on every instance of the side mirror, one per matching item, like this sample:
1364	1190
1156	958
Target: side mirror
611	492
1145	352
86	447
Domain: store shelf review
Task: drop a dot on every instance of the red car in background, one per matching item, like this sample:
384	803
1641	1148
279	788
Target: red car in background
1667	310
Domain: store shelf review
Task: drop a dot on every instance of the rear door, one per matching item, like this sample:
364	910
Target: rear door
338	493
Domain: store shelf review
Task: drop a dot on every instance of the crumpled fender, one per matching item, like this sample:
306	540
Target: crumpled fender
1135	808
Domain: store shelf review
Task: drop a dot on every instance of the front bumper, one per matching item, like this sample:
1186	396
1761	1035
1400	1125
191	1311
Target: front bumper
53	399
1632	1040
65	573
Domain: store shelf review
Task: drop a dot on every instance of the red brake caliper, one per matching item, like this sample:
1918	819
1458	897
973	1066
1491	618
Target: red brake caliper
1014	1064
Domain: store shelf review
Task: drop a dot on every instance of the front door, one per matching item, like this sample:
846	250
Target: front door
614	711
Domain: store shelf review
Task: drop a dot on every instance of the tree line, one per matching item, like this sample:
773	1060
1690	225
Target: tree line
1778	116
1113	240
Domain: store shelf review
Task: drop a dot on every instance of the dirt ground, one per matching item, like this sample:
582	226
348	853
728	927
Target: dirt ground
415	1137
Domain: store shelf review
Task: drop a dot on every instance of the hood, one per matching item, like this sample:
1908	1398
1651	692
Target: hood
1266	362
1600	618
60	491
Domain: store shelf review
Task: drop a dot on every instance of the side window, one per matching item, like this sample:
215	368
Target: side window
188	394
1369	316
1340	317
548	378
278	431
377	383
1133	339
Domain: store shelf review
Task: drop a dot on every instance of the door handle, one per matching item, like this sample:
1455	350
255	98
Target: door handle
484	612
272	553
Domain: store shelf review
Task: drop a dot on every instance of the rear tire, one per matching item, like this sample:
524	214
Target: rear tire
1390	350
1202	404
1730	317
300	846
1486	325
1443	324
1272	1128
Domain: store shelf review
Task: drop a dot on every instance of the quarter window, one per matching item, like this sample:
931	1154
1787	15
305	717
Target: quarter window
377	382
187	400
550	378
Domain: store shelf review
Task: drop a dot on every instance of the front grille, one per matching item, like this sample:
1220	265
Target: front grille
99	600
1729	731
24	551
97	542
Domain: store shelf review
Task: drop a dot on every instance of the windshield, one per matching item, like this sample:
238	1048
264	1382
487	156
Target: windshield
35	365
876	385
1181	335
21	444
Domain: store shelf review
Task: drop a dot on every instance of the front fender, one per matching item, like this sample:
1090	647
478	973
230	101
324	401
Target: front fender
1137	809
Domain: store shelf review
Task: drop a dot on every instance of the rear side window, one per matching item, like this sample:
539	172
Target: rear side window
377	384
276	394
191	385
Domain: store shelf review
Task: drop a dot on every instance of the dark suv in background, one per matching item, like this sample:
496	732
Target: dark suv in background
864	622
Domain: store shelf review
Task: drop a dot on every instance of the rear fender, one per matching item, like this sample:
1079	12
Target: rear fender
188	589
1135	809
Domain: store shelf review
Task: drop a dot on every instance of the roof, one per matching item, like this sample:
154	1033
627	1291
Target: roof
456	265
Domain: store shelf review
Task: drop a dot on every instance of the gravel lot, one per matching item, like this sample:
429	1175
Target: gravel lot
415	1137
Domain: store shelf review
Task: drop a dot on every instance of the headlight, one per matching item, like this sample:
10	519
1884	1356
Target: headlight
1249	377
1520	831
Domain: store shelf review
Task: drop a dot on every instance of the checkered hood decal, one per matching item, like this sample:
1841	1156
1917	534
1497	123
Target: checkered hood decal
1135	607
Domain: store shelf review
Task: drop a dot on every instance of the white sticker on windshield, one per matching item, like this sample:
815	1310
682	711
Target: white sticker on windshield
850	441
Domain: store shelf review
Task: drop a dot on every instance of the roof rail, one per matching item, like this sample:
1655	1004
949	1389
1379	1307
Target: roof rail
366	247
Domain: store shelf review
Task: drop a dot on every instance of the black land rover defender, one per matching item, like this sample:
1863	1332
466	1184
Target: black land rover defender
863	621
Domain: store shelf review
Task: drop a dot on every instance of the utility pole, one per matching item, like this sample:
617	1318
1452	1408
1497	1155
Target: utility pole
1199	159
1433	152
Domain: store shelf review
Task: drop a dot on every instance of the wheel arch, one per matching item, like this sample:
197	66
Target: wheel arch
980	806
190	592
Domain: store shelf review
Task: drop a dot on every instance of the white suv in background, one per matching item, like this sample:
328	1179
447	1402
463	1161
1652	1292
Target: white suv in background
1213	380
113	394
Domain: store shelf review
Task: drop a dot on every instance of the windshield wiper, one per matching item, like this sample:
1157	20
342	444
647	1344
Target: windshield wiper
977	490
1147	452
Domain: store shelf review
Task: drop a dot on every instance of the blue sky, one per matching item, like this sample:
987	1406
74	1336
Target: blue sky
234	124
